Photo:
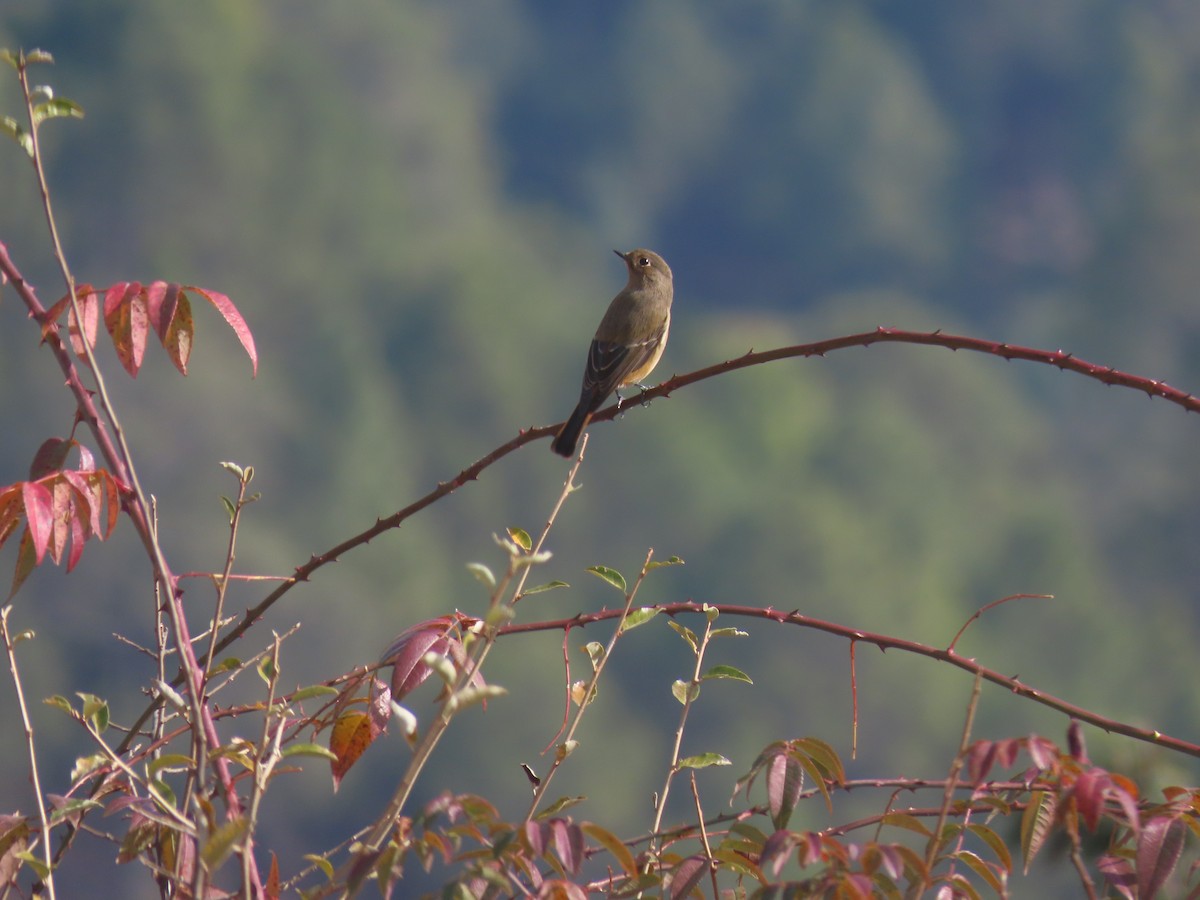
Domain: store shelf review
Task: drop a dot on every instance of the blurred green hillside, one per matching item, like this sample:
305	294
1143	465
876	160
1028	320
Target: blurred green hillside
413	204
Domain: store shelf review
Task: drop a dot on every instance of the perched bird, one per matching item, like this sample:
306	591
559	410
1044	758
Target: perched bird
628	344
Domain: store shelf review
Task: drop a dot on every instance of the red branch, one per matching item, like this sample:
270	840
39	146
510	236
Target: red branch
883	642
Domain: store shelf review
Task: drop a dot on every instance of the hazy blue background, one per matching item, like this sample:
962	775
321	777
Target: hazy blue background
414	206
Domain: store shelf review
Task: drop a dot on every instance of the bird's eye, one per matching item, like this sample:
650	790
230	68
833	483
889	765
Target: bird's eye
643	261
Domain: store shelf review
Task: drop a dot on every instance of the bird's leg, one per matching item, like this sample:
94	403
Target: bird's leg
643	388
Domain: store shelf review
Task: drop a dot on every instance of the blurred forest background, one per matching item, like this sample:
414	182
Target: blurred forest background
414	203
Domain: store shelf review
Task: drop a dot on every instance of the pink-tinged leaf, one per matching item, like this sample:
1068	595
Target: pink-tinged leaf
1006	752
26	563
380	707
87	463
980	757
50	458
1119	873
39	513
161	300
1076	746
568	844
785	781
1159	847
535	837
14	839
687	875
810	849
226	308
1091	790
1043	752
407	654
778	848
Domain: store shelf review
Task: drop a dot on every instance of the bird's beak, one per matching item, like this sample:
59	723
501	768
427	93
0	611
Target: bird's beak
620	254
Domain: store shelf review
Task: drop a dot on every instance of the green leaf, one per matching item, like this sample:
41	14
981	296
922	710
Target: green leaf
34	862
483	574
703	761
656	564
56	108
35	57
230	509
309	750
910	823
17	132
95	710
321	863
176	761
266	670
58	701
313	690
638	617
685	691
228	664
221	842
726	672
686	633
72	806
520	537
548	586
612	576
995	843
469	696
595	652
728	632
559	805
1036	823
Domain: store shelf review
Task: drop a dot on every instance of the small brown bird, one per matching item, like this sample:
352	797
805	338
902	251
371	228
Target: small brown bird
629	342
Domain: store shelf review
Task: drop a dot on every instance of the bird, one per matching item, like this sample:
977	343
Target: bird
629	341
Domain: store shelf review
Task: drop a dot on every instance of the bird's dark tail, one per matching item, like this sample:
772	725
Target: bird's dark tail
568	435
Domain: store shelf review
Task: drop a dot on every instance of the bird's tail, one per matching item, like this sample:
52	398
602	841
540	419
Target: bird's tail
568	435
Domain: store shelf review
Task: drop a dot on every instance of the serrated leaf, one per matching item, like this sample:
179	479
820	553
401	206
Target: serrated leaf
703	761
907	822
71	807
612	576
1159	846
1036	824
723	671
233	318
638	617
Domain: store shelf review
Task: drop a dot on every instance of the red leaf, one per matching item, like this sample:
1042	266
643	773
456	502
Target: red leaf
407	653
1091	790
11	505
89	308
778	848
39	513
127	320
351	736
980	758
226	308
50	458
61	491
170	313
1160	845
535	837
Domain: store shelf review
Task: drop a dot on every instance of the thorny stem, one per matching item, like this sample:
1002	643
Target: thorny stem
121	459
